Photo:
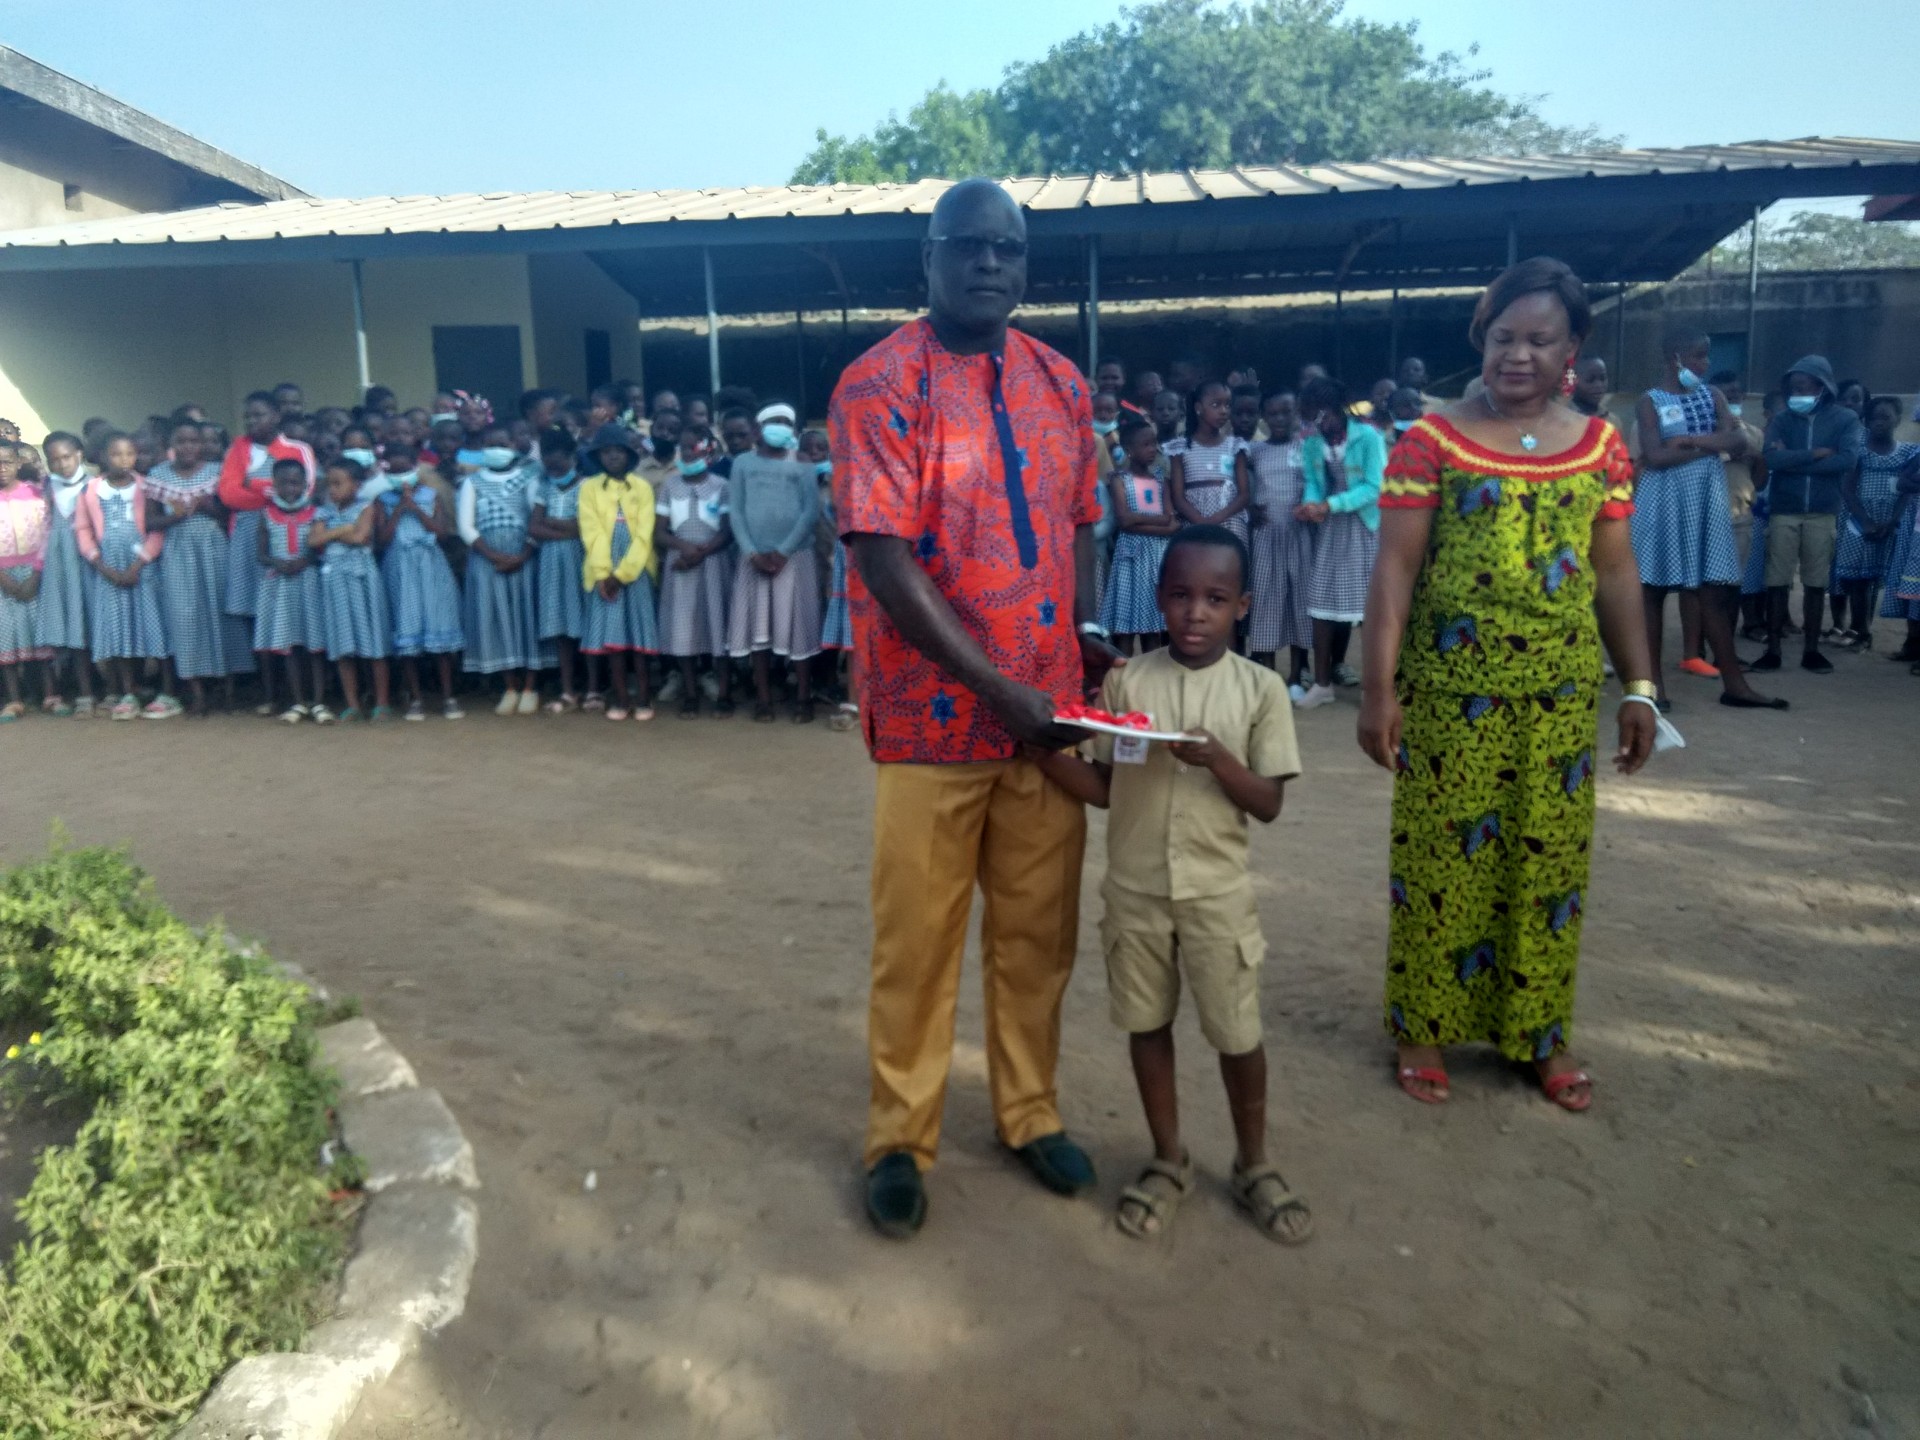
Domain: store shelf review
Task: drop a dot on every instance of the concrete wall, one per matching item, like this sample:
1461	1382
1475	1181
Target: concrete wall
571	295
42	151
118	343
406	298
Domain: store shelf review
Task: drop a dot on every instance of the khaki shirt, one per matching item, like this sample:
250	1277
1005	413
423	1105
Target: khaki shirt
1171	829
1740	475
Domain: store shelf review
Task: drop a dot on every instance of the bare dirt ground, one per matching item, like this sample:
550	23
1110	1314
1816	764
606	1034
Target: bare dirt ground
641	952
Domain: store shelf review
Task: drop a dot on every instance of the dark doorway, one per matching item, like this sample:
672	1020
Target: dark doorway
480	359
599	358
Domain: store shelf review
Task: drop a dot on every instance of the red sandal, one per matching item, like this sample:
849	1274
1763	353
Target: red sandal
1429	1075
1556	1086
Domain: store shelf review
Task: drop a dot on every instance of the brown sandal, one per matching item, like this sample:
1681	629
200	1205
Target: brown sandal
1145	1213
1264	1195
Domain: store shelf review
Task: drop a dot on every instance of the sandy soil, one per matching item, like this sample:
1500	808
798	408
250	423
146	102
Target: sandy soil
641	952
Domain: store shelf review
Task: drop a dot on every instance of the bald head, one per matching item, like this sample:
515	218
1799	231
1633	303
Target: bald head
975	258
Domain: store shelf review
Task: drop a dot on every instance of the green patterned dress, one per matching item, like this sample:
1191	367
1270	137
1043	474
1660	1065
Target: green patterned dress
1499	679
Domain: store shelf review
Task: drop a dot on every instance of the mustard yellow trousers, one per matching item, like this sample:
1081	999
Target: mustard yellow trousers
938	830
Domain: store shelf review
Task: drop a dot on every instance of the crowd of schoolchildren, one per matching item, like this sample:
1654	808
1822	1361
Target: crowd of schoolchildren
579	552
592	554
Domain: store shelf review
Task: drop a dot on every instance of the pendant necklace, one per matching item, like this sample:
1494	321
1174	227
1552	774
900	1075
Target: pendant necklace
1529	441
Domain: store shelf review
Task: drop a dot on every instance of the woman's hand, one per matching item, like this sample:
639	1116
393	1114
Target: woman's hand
1637	729
1379	729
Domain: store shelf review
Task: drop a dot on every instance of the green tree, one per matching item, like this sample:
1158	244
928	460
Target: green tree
1184	83
1811	240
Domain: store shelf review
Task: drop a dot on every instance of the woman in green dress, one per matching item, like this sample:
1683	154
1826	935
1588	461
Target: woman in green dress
1504	558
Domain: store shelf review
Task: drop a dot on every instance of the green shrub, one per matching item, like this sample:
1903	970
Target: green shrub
189	1223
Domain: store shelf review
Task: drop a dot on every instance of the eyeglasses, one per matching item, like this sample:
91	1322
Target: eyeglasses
972	247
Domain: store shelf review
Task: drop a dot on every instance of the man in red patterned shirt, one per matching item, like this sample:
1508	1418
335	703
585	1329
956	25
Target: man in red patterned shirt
966	495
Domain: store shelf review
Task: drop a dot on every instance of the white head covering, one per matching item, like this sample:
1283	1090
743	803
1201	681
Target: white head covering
779	410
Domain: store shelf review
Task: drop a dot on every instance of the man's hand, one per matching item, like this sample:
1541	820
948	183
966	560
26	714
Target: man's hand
1028	713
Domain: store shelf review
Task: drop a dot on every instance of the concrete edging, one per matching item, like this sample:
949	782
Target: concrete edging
412	1259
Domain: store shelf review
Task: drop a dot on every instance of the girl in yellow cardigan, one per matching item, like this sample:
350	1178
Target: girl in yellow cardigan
616	530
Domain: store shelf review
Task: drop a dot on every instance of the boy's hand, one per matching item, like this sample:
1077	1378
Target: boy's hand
1202	751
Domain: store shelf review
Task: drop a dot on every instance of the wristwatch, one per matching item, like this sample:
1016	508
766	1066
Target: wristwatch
1095	629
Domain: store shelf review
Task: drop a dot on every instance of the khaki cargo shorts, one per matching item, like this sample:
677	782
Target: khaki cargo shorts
1805	541
1151	941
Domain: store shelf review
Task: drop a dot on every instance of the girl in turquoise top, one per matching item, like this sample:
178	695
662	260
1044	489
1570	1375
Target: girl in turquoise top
1344	464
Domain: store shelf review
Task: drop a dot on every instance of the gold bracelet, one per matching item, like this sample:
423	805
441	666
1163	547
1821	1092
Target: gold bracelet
1645	689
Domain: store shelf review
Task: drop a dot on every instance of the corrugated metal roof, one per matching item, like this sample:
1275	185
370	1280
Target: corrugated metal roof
548	210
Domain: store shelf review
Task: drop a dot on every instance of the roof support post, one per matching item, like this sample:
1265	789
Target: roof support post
713	325
1093	305
1753	292
1393	307
360	328
1339	332
1513	242
1619	335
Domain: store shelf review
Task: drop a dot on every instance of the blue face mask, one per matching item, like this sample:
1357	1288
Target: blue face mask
690	468
777	434
1403	424
1688	380
1802	404
823	469
366	459
1105	427
498	457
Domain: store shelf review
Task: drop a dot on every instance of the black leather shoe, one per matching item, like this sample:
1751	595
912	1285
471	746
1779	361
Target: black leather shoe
1768	661
1058	1164
896	1198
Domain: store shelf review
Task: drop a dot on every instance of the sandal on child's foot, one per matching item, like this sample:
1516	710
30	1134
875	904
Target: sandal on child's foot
529	702
594	701
723	709
690	706
322	715
643	713
1147	1206
566	704
509	702
266	708
11	712
84	707
763	714
416	712
618	712
294	714
1276	1211
451	710
803	713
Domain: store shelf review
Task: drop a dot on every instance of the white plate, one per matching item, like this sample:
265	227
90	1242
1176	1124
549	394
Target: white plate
1165	736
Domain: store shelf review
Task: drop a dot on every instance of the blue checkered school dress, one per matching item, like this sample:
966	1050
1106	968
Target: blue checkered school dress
502	633
23	534
692	611
60	609
128	623
1131	605
1754	580
1900	599
1281	551
244	570
289	611
193	576
836	631
1855	557
1682	528
626	622
559	602
352	592
422	598
1208	472
17	641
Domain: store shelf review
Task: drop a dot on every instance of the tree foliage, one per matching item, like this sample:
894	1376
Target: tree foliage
1184	83
1811	240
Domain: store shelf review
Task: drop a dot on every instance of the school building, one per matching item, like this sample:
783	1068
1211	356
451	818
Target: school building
170	271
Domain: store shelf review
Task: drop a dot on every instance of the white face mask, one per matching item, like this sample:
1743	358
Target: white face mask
498	457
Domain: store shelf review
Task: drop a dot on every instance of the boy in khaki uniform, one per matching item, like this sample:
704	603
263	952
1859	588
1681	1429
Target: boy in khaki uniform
1178	900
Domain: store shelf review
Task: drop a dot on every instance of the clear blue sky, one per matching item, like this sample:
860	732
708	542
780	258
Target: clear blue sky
349	98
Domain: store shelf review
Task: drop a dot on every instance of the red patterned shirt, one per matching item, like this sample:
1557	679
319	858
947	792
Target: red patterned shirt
985	464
